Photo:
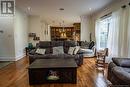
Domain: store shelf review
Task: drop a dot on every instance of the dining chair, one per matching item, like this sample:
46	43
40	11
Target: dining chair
101	56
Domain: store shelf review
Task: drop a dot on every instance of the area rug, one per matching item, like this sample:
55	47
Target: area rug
4	63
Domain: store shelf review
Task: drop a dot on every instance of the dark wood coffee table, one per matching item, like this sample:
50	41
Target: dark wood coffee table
52	71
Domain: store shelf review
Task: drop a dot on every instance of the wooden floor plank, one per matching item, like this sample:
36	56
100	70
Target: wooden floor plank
16	75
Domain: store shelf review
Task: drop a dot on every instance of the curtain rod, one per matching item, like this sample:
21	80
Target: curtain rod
106	15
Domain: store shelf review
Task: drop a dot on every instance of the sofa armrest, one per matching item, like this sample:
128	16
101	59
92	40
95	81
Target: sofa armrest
111	65
79	59
80	52
94	50
31	58
123	62
32	51
123	75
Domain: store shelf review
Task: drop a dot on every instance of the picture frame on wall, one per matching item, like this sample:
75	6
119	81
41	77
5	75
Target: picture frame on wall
36	38
32	34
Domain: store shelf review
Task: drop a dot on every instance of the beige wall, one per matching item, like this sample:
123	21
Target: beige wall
20	33
39	26
85	28
14	38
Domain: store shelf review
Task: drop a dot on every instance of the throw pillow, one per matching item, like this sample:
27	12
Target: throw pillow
40	51
76	49
84	44
58	50
91	44
71	50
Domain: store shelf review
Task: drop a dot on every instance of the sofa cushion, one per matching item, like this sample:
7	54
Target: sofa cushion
65	56
44	44
62	55
71	50
126	69
68	44
48	50
58	55
58	50
123	62
47	56
91	44
56	43
71	56
122	74
77	48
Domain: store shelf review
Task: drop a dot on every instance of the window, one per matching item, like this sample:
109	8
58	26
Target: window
103	32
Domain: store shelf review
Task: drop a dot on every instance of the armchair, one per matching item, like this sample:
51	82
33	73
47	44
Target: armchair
119	71
88	48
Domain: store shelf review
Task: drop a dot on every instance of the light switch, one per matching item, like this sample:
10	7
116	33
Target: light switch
1	31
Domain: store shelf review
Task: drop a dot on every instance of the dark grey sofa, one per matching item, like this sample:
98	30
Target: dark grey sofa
48	45
119	71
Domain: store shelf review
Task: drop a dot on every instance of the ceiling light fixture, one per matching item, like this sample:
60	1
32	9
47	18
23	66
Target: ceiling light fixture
61	9
63	32
90	9
29	8
53	21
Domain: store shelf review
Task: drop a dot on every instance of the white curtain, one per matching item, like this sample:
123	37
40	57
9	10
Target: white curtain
119	33
97	33
118	39
129	32
114	34
123	35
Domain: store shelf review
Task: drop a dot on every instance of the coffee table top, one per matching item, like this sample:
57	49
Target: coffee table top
53	63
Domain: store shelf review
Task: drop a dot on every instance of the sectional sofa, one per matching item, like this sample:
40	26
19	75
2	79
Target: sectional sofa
49	45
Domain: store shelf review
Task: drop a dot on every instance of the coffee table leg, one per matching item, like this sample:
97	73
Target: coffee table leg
74	76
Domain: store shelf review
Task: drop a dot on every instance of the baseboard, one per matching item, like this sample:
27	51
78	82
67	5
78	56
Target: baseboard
19	57
7	58
12	58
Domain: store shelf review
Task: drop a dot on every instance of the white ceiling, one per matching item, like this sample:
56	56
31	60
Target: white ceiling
49	9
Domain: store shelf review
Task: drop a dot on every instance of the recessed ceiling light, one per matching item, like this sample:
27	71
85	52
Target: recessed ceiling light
90	9
53	21
61	9
29	8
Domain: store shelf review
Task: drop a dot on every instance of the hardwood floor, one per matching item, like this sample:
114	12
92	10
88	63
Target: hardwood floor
16	75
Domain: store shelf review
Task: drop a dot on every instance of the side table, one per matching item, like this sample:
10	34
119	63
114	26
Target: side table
27	49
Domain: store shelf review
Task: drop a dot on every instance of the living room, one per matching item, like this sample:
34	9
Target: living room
70	35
